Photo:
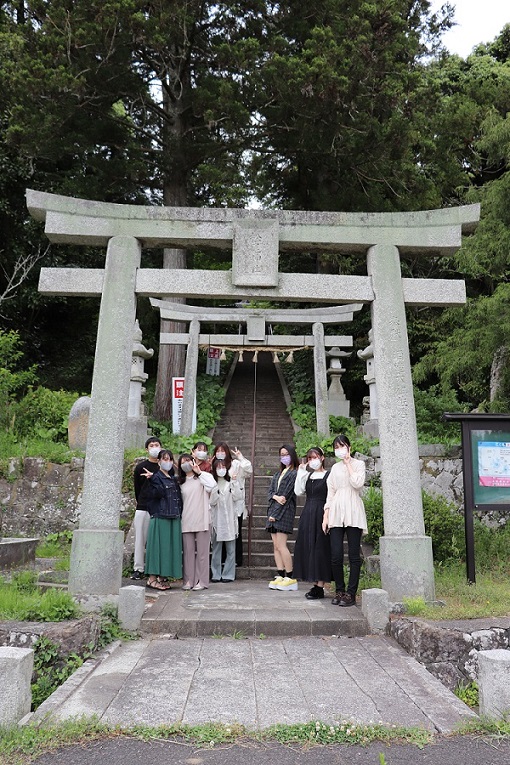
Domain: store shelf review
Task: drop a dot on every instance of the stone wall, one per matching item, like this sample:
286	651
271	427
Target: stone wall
449	650
39	498
72	636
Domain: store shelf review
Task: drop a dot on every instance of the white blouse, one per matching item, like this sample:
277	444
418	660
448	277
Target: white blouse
303	476
344	502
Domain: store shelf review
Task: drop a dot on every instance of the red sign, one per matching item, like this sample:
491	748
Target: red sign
178	387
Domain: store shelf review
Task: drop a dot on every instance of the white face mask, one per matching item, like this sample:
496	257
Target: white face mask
315	464
187	467
221	472
166	465
342	452
220	455
154	451
200	455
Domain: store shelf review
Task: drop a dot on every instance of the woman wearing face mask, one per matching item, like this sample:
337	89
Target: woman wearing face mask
224	522
344	515
199	453
237	465
196	486
280	517
163	557
312	553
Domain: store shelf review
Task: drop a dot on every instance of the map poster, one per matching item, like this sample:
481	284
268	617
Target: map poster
494	463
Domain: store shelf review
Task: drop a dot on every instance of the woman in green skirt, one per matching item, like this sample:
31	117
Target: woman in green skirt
163	556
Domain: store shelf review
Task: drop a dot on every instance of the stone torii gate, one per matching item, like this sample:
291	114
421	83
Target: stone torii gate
257	239
255	337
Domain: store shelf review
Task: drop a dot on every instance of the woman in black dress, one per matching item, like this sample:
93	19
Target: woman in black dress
312	554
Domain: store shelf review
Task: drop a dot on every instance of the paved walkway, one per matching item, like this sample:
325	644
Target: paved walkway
257	680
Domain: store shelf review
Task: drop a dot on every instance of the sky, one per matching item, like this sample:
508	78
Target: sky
478	21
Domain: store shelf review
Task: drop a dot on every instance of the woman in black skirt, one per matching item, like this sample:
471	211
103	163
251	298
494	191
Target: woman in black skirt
280	517
312	554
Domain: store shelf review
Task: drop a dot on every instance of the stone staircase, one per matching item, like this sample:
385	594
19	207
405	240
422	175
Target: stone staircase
257	385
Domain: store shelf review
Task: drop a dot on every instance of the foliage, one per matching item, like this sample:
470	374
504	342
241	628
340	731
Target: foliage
210	402
430	405
488	597
11	447
44	413
23	600
51	669
12	379
442	523
468	693
54	545
414	606
372	499
110	628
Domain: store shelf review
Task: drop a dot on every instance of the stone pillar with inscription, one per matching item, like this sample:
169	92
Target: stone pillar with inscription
96	553
406	552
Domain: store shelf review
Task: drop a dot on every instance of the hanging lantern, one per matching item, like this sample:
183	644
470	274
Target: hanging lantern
275	358
255	357
241	356
290	358
223	356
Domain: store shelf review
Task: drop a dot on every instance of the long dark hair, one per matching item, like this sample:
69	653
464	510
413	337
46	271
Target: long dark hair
341	440
162	454
215	466
228	455
291	449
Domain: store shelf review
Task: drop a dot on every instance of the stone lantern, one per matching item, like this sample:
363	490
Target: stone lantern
136	430
338	405
371	426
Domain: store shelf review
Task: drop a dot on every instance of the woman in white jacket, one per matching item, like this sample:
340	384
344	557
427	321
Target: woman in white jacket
239	466
224	522
344	515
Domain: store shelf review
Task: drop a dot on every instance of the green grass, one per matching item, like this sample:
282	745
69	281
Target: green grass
22	600
20	746
488	597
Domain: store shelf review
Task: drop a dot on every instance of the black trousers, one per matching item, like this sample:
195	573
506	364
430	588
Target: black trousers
337	534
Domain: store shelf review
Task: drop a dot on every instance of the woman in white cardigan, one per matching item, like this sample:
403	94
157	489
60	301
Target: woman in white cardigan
344	515
237	465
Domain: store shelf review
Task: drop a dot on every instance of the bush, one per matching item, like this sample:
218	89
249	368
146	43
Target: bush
430	406
44	413
11	380
442	523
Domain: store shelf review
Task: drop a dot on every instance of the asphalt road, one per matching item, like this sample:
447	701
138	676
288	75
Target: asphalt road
453	750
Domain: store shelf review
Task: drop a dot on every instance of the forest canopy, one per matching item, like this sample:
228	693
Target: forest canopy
353	106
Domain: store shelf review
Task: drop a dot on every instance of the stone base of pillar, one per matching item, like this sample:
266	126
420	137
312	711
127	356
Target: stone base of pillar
407	569
371	428
96	562
136	432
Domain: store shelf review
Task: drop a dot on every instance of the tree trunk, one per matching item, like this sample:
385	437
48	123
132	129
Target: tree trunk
498	366
172	358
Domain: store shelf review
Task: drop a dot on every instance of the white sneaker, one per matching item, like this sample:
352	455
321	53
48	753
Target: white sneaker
276	581
199	587
287	584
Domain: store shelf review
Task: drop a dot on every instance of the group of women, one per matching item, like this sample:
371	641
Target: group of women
196	505
333	510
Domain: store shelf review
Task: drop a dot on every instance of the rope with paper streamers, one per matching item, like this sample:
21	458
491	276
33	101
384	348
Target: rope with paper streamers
258	349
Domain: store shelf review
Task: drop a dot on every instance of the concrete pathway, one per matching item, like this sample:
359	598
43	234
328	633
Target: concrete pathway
240	652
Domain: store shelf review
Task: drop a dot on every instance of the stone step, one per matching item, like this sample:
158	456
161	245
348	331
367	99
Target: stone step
250	609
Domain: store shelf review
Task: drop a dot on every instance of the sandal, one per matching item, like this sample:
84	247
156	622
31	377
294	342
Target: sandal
156	585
